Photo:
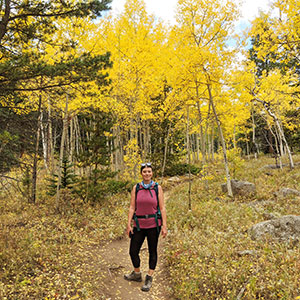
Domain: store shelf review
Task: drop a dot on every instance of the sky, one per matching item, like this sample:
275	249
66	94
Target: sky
165	9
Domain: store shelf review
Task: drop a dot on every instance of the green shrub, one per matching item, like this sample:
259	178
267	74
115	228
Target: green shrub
181	169
115	186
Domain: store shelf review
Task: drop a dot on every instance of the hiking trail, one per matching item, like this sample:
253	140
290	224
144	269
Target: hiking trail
107	264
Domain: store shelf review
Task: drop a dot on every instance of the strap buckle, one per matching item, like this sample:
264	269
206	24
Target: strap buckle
146	216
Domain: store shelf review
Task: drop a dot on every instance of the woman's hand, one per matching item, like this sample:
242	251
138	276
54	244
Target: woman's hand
164	231
129	230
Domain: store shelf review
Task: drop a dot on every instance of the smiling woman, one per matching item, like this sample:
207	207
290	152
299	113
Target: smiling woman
147	209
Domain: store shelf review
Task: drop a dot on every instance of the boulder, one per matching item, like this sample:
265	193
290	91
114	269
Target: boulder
284	192
242	188
174	179
285	228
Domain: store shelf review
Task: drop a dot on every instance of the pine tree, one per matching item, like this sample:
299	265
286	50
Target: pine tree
94	158
68	178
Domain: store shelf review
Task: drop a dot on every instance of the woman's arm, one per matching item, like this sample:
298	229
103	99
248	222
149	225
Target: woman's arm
162	207
131	211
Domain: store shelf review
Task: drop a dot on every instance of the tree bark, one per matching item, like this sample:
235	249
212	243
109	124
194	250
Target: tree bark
165	151
35	159
44	142
212	143
61	154
189	155
72	140
254	136
202	138
234	138
5	19
277	154
50	149
229	190
280	131
197	147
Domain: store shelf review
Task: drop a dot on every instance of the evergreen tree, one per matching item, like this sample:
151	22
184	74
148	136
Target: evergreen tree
26	28
68	178
95	155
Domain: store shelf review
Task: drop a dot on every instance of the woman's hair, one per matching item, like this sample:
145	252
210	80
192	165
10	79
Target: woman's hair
145	165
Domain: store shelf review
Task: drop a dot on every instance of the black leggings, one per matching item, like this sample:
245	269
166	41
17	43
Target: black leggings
136	243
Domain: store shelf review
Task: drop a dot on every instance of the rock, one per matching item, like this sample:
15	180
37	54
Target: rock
247	252
284	192
174	179
269	174
273	166
285	228
240	187
278	167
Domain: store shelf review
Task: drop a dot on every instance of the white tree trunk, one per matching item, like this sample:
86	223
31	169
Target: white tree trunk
50	149
280	130
44	142
61	154
189	155
277	155
197	147
165	152
229	189
72	140
254	136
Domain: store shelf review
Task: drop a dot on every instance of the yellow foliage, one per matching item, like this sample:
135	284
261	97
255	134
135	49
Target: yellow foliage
131	159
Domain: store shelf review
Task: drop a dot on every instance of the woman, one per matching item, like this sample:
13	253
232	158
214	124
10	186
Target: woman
150	219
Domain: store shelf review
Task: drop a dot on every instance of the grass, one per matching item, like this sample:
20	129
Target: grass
204	244
43	253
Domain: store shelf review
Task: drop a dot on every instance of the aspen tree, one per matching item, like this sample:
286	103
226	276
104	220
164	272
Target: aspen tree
276	94
135	42
200	43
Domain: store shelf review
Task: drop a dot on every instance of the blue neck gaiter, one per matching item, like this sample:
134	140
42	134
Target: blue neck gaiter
148	186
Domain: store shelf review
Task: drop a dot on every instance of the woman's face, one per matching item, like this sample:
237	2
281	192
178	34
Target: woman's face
147	174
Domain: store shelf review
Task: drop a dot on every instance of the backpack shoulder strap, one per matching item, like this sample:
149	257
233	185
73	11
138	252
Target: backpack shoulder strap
155	187
137	188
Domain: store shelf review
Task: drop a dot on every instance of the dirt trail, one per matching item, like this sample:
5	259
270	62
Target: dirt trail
115	262
108	263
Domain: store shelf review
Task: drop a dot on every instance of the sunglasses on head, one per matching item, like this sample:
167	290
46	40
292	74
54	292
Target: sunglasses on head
146	165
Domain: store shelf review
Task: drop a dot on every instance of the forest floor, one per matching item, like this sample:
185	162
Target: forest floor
82	252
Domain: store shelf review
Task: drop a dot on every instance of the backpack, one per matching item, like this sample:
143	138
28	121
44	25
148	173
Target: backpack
157	215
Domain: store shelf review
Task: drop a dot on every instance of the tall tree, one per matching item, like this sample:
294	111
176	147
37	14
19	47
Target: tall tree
135	41
202	58
27	30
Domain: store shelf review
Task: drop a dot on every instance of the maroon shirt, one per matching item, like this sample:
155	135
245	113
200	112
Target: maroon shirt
146	205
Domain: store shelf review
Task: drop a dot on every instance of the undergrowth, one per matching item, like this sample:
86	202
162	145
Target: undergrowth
43	250
209	253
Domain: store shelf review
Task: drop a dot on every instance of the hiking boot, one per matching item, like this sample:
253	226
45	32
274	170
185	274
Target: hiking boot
148	283
133	276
